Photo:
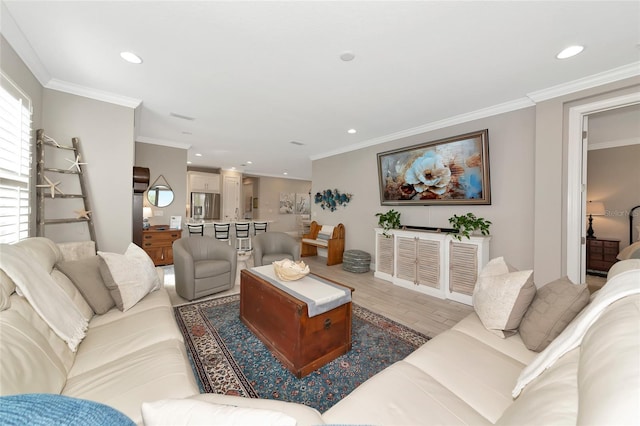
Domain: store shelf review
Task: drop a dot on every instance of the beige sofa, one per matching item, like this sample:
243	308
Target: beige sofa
135	361
466	376
125	359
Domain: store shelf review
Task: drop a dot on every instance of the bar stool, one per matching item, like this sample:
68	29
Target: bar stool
195	229
221	232
259	227
243	237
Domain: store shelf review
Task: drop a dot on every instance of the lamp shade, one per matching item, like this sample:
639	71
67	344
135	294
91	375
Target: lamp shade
596	208
146	212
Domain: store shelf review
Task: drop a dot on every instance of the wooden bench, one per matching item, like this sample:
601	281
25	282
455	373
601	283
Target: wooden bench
331	238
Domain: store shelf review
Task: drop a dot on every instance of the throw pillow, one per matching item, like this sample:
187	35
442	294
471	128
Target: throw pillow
194	412
502	295
553	308
85	275
129	276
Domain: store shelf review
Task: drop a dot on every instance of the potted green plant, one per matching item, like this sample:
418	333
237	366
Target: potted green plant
388	220
467	224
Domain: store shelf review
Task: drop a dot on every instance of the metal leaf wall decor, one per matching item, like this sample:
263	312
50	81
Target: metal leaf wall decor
330	199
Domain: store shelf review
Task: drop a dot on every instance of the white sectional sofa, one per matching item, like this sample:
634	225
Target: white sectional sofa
467	376
125	359
135	361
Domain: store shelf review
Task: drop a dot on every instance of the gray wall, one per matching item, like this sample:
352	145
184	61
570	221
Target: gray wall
106	135
511	151
172	164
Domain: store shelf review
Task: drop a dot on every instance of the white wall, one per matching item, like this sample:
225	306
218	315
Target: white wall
613	177
268	194
106	136
551	160
511	153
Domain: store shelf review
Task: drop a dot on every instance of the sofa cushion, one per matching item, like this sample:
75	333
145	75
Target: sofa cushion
129	277
29	363
403	394
552	399
477	373
502	295
85	274
553	307
114	340
194	412
156	372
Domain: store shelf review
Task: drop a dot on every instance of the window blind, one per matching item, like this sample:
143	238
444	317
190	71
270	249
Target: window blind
15	161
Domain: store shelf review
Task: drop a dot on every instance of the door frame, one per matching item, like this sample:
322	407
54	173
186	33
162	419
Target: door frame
576	204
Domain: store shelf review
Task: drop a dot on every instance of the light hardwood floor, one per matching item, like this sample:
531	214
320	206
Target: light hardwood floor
423	313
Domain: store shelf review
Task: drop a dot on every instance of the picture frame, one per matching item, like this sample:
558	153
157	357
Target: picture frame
450	171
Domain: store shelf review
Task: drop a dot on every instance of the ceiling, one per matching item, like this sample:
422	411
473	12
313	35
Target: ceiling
256	76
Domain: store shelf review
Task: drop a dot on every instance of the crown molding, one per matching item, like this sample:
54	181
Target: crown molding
163	142
21	46
447	122
88	92
610	76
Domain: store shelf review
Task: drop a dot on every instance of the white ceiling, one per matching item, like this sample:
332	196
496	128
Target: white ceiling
258	75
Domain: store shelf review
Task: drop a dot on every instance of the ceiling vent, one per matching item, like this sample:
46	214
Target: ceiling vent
296	143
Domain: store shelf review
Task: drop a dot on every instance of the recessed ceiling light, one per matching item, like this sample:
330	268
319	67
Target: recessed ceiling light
131	57
188	162
351	131
233	168
198	155
249	162
285	173
347	56
569	52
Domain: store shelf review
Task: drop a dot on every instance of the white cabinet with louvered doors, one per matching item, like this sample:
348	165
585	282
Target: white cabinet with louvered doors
433	263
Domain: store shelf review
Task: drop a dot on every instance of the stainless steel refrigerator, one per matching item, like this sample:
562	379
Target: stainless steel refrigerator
205	206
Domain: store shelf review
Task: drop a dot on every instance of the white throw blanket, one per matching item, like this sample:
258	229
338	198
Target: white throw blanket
621	285
48	299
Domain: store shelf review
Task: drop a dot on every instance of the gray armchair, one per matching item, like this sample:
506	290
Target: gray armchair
271	246
203	266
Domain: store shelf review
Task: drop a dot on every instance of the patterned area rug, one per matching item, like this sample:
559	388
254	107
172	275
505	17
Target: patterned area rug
228	359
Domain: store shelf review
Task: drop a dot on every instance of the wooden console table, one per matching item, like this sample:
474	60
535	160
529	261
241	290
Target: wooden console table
157	241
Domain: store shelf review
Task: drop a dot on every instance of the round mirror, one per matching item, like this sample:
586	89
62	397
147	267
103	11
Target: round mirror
160	195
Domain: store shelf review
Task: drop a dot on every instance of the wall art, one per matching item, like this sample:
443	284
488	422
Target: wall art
454	170
330	199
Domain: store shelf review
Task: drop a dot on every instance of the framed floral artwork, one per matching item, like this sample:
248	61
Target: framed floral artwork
454	170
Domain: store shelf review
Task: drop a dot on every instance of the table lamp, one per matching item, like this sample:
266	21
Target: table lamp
594	208
146	214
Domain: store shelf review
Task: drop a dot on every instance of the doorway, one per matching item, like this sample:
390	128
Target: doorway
576	180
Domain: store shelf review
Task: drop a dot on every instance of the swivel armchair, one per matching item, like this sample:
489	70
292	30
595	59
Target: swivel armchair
203	266
271	246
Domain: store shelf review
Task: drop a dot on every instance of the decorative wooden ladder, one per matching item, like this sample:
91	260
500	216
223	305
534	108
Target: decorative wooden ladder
44	183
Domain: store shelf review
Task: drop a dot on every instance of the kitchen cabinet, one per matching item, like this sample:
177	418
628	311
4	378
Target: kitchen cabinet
203	182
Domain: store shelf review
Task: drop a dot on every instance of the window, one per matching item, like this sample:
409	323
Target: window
15	161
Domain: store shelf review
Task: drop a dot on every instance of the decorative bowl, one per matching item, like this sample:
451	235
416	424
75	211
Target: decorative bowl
288	270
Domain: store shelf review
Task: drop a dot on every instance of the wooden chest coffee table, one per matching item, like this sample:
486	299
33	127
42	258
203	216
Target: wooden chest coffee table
302	343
